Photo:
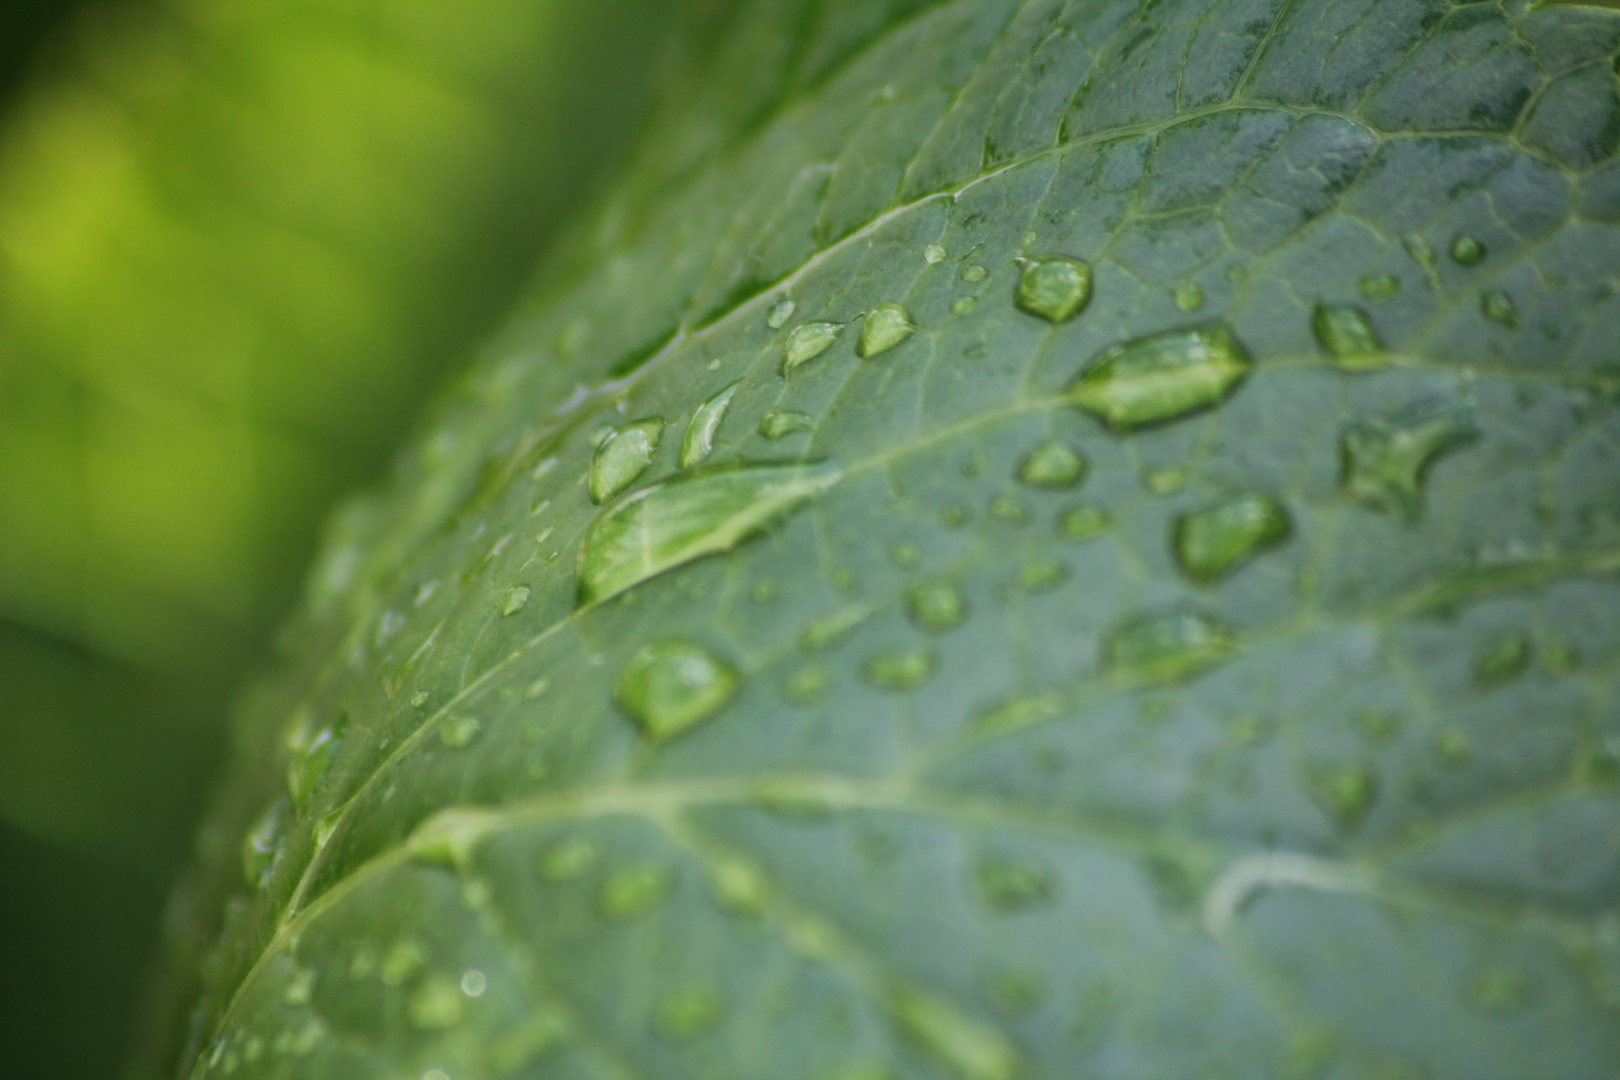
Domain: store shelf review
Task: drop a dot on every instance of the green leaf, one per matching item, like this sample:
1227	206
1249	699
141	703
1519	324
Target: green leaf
1135	703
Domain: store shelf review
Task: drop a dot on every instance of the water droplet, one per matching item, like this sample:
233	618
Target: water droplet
325	827
536	689
1009	511
1419	249
1166	481
899	672
969	1049
1346	792
474	983
437	1005
807	342
1379	286
974	273
401	963
312	756
419	699
517	598
1041	575
739	886
1500	990
1163	377
690	517
634	891
1084	523
698	442
1055	289
807	686
1019	713
1384	463
689	1014
263	842
569	860
300	988
1505	659
780	313
457	731
624	456
1053	464
1347	335
1012	886
885	328
1466	251
780	423
1168	647
936	606
1212	543
964	305
670	687
1189	296
933	253
829	628
1500	309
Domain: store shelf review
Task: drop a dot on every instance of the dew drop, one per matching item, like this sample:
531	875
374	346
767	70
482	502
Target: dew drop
885	328
1466	251
1084	522
964	305
1384	463
1041	575
970	1049
780	313
899	672
1054	288
1012	886
807	342
690	517
1190	296
936	606
1212	543
569	860
1379	286
325	827
1054	465
933	253
1506	659
1168	647
1346	792
973	273
689	1014
670	687
419	699
437	1005
457	731
624	456
634	891
1499	308
1347	335
517	598
780	423
1163	377
698	442
829	628
312	756
263	841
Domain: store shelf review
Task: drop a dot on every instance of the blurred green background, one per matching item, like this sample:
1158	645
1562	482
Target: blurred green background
240	240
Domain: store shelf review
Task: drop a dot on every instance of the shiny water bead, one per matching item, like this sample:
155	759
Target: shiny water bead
690	517
670	687
1466	251
933	254
1347	335
515	600
780	423
1213	542
263	842
698	442
780	313
623	456
312	756
1500	309
1054	288
1053	464
1168	646
1384	464
936	606
885	328
807	342
899	672
973	273
1345	792
964	305
1379	286
458	731
1162	377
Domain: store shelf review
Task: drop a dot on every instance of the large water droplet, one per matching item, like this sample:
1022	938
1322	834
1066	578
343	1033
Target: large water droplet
669	687
936	606
1505	659
1500	309
1168	647
692	516
698	443
1054	288
780	313
1161	377
1466	251
807	342
437	1005
457	730
263	842
969	1049
1053	464
1385	463
1013	886
634	891
688	1014
885	328
516	599
780	423
623	457
1346	792
1349	338
899	672
1212	543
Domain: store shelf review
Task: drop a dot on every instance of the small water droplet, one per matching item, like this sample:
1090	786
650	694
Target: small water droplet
806	686
964	305
1166	481
698	442
1347	335
1504	660
634	891
739	886
933	253
885	328
689	1014
670	687
1163	377
457	731
1055	288
300	988
312	756
568	860
780	423
936	606
1054	465
690	517
1041	575
973	273
1084	522
1168	647
263	841
623	457
1190	296
1013	886
1346	792
1213	542
401	963
899	672
1384	464
780	313
1500	309
1009	511
474	983
1379	286
807	342
536	689
325	827
517	598
419	699
1019	713
1500	990
1466	251
968	1048
829	628
437	1005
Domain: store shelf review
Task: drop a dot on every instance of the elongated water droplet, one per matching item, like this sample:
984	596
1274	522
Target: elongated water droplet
1506	659
936	606
1346	792
899	672
1053	464
1014	886
1189	296
689	1014
634	891
885	328
1379	286
1084	522
1419	249
263	842
1347	335
974	273
1384	463
807	342
780	423
933	253
437	1005
312	755
1163	377
623	457
692	516
969	1049
516	599
457	731
1054	288
829	628
1168	647
1500	309
698	443
669	687
1466	251
780	313
964	305
1212	543
1041	575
